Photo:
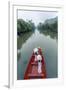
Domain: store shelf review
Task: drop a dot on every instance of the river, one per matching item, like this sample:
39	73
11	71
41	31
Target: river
49	44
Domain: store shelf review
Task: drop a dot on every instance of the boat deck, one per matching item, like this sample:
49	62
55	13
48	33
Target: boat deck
32	68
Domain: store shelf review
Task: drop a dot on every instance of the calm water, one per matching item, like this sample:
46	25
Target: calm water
27	42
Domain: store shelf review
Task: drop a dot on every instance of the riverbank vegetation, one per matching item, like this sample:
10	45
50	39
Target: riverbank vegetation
50	25
24	26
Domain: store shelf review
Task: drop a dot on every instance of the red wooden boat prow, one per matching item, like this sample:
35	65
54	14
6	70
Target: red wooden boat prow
32	68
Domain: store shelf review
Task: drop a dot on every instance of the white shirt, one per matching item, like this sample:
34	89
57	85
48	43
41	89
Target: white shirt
39	63
39	67
39	57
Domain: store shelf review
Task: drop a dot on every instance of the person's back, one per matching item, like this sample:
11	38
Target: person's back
35	53
39	58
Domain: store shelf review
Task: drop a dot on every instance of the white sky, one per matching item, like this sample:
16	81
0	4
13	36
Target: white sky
36	16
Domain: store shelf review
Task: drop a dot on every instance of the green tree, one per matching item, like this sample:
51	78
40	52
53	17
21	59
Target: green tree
23	26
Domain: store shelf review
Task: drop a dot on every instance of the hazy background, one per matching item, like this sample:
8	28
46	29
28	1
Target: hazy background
36	16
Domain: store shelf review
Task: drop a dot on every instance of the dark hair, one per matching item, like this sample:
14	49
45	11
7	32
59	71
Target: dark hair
36	53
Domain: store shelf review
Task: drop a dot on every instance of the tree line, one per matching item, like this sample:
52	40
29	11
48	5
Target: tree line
27	26
49	25
24	26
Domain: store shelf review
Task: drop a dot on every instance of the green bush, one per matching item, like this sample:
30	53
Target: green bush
23	26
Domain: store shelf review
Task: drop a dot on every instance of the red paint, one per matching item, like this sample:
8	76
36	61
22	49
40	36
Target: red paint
32	68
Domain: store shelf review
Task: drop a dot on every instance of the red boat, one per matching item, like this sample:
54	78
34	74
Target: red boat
32	68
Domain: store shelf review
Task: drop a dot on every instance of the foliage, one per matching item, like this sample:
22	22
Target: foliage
47	25
23	26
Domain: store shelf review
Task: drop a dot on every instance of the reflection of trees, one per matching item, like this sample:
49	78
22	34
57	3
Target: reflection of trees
50	33
22	39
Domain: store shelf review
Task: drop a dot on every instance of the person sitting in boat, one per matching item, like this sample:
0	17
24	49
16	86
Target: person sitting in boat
39	59
35	53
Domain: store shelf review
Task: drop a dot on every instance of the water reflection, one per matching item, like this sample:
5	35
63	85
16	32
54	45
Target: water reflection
53	35
21	40
48	44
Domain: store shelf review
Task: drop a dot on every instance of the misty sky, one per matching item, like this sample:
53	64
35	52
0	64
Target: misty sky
36	16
